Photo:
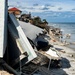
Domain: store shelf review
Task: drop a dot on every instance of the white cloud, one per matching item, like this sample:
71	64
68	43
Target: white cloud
53	14
41	6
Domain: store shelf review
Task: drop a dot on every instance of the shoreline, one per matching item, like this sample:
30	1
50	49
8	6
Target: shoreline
58	40
67	30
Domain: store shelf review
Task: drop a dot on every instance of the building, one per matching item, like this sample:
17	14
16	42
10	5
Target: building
17	12
25	17
3	27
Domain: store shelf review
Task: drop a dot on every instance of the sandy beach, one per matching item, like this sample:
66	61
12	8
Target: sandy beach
67	59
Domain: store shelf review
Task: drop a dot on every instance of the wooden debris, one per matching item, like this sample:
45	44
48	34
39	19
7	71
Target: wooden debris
41	59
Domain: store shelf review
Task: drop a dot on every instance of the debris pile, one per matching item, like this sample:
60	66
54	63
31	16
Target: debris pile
29	53
27	49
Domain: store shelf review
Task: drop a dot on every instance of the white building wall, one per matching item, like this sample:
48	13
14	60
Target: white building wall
3	27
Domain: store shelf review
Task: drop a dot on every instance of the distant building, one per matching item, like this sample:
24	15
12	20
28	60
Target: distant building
25	17
15	11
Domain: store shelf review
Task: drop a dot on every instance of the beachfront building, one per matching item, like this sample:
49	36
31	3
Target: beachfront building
25	17
17	12
3	27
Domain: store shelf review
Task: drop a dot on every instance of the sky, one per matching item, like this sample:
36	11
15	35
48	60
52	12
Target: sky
51	10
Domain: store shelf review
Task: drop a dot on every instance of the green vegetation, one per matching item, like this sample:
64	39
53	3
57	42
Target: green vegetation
38	22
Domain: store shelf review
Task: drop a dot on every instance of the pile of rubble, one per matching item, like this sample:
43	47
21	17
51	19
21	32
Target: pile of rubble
28	49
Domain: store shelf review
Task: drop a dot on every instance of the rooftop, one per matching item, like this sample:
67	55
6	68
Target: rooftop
14	9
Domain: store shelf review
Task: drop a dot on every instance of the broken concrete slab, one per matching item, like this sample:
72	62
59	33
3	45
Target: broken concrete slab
52	53
30	29
37	34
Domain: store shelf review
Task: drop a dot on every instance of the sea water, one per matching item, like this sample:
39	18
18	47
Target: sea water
66	28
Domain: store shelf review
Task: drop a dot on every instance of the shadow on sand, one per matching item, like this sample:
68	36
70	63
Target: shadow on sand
59	71
65	63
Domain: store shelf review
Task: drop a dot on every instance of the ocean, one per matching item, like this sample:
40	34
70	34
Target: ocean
66	28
